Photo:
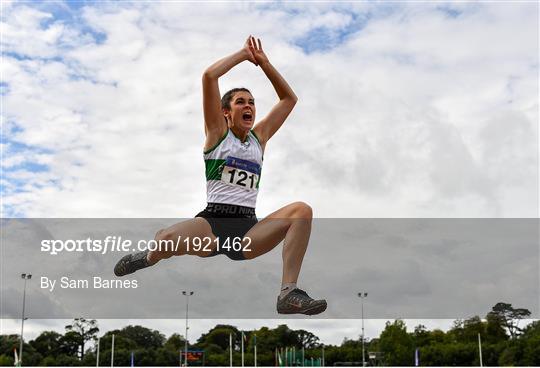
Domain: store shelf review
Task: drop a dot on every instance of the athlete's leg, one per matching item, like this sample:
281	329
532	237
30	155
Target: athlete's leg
196	231
291	223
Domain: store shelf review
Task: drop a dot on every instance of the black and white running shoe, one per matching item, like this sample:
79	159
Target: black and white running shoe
131	263
298	302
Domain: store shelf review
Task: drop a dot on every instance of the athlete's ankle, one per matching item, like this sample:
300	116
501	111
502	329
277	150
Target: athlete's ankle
151	259
286	288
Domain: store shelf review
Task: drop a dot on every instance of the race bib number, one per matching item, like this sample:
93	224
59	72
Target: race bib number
241	173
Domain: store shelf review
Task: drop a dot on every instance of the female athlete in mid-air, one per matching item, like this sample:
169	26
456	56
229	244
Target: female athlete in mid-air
233	154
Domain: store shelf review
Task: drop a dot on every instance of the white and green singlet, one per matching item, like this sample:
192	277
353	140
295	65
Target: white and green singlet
233	170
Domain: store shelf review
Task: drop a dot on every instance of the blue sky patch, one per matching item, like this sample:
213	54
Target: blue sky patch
27	166
4	88
17	147
322	39
70	12
13	148
449	11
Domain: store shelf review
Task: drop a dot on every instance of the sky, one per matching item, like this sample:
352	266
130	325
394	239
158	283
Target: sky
406	110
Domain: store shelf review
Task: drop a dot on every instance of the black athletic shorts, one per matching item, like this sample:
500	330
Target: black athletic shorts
229	221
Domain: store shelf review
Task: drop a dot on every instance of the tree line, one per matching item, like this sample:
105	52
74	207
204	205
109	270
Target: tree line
504	343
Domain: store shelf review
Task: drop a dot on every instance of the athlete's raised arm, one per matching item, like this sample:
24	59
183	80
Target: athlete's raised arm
214	124
268	126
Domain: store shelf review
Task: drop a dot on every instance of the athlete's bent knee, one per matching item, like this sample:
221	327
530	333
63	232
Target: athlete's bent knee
166	243
158	234
303	210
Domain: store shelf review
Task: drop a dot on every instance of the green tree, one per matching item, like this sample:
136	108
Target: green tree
217	360
175	342
120	341
213	349
471	328
89	359
510	317
48	361
122	348
166	357
219	335
421	336
143	337
67	360
70	344
396	344
85	329
48	343
432	355
8	343
512	354
460	354
286	336
531	341
455	334
495	331
307	339
6	360
438	336
266	340
491	352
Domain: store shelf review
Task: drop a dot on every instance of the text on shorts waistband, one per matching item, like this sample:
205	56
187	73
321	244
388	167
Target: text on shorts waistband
230	209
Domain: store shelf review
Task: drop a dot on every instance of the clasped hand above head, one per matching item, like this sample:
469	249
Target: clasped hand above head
254	51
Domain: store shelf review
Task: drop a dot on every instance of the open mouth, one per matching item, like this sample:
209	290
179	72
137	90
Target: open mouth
247	116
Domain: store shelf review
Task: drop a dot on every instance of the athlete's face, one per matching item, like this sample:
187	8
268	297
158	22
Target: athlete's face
242	112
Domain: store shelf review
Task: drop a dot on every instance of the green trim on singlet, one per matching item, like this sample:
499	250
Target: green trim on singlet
213	169
255	135
260	145
218	143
